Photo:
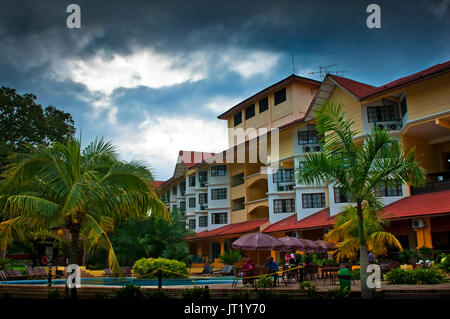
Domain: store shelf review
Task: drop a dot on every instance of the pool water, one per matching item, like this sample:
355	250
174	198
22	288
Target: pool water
108	281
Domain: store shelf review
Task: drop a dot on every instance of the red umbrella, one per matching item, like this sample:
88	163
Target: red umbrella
257	241
292	243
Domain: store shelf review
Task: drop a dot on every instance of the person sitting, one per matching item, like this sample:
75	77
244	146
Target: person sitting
247	271
272	268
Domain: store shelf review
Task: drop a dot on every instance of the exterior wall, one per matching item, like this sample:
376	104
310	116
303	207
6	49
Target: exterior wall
350	106
305	212
276	217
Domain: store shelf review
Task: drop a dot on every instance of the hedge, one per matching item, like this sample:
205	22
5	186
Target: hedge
423	276
146	266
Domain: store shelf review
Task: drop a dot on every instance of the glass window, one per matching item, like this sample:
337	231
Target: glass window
191	223
174	207
237	118
341	197
393	188
192	202
182	187
219	218
203	221
383	113
218	193
168	195
250	111
280	96
283	175
191	181
263	104
203	198
284	205
219	170
174	190
314	200
308	137
404	106
183	206
203	177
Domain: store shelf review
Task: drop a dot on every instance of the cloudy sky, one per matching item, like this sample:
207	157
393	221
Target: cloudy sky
152	76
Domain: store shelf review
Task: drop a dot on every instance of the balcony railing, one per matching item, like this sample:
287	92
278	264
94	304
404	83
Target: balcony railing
431	188
285	187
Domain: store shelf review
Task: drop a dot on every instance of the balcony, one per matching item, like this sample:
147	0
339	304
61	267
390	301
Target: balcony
431	187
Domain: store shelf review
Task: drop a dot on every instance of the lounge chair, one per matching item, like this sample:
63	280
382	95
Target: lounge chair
226	270
126	270
3	275
107	272
207	270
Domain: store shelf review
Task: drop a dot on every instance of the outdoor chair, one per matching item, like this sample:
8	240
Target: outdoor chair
3	276
330	274
207	270
107	272
310	273
33	273
42	273
240	276
226	270
126	270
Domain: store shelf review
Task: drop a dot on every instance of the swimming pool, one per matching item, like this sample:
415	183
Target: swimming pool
108	281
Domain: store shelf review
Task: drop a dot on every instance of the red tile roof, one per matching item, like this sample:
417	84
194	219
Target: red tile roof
231	229
191	158
156	184
319	219
364	91
419	205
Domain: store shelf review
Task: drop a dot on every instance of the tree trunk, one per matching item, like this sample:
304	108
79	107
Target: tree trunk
74	246
366	292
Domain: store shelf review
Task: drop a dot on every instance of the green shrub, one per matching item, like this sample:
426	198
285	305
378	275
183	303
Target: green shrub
400	276
445	263
101	295
356	274
196	293
5	263
129	292
147	266
310	289
428	276
230	257
264	282
336	293
424	276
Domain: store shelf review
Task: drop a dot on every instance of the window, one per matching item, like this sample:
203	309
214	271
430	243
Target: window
183	206
404	106
174	190
315	200
182	188
219	170
191	223
308	137
283	175
219	218
203	221
203	178
250	111
168	195
192	202
284	205
384	113
263	104
191	181
203	198
218	193
237	118
341	197
280	96
174	207
393	188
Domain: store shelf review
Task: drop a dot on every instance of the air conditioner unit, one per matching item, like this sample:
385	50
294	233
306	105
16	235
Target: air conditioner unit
285	188
312	148
203	206
202	184
393	126
418	223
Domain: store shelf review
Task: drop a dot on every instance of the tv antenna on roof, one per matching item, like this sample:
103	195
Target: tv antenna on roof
325	69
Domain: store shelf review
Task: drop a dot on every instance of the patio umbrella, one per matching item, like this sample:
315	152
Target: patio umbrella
325	245
292	243
309	245
257	241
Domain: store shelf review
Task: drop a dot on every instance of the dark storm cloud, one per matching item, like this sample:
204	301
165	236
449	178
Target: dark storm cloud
37	45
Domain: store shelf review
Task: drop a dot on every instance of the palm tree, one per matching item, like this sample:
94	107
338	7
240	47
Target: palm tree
345	233
358	169
85	192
